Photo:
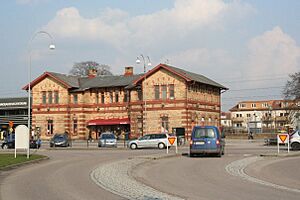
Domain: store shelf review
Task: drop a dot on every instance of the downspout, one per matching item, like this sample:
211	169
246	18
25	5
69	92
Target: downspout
186	107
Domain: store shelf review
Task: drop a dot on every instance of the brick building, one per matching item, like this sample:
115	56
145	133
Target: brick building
165	97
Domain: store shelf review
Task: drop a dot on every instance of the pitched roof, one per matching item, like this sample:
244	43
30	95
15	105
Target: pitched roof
79	83
188	76
70	80
196	77
106	81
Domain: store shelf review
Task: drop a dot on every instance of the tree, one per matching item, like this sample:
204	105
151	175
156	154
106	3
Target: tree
82	68
292	92
292	87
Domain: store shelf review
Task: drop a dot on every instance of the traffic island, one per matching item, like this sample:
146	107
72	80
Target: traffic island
8	161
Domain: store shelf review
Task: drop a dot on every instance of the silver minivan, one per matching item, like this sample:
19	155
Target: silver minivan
155	140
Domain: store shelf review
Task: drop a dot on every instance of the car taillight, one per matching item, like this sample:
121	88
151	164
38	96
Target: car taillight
217	142
191	142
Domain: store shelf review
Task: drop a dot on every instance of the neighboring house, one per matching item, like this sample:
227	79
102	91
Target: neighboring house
226	120
164	98
261	116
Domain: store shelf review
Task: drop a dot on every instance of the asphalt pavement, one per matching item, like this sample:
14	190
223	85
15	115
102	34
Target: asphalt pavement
70	173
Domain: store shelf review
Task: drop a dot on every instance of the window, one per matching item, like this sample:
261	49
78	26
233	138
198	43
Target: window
253	105
117	96
242	105
140	94
248	115
172	92
50	127
239	125
44	98
75	98
102	98
265	105
50	100
165	124
125	99
111	95
164	92
156	92
97	97
75	125
56	97
239	115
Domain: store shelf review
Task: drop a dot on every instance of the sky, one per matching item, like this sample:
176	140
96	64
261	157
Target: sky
248	46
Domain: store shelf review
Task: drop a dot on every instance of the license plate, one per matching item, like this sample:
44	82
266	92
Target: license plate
200	143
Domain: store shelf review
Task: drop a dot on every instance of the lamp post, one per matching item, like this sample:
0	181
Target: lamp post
51	47
138	61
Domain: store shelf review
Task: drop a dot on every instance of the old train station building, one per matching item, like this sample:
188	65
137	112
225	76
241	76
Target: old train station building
164	98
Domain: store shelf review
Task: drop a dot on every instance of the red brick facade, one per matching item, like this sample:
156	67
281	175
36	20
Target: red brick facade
171	101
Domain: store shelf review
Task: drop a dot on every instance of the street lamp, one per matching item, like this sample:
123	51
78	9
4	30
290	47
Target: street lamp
138	61
51	47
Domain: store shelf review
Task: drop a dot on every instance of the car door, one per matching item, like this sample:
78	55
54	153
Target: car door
154	139
143	142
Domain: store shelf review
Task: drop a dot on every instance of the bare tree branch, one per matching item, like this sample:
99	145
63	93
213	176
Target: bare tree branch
82	68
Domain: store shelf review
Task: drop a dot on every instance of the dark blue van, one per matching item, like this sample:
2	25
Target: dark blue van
207	140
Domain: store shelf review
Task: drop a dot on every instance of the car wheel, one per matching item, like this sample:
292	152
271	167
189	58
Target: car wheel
295	146
133	146
161	145
192	155
5	146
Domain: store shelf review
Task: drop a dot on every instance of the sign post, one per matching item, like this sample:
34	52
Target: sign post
172	140
22	139
283	138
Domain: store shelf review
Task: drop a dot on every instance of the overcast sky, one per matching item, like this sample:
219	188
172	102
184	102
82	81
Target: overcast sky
248	46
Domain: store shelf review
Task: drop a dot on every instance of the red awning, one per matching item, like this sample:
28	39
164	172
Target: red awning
108	122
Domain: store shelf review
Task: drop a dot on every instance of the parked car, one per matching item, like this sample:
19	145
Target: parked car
295	140
158	140
9	142
107	139
207	140
60	140
270	141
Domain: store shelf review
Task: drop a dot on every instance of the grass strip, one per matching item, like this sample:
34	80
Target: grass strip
7	160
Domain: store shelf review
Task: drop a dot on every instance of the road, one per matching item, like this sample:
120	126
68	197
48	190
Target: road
66	175
207	178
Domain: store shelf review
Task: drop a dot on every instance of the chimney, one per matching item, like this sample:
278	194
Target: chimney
128	71
92	73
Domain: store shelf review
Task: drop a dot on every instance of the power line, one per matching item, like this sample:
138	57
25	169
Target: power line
247	97
263	88
252	80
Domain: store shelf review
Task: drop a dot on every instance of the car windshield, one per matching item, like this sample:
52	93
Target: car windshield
204	133
295	132
107	136
59	137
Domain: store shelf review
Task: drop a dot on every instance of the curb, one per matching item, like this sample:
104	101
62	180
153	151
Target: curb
283	155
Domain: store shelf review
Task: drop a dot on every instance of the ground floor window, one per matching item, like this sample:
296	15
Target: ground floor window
75	126
50	127
165	124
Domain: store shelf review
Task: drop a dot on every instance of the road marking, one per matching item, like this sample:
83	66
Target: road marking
237	168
